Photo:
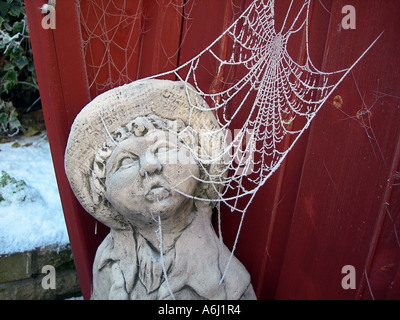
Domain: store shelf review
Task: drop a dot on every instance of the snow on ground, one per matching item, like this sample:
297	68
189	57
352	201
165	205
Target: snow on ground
30	214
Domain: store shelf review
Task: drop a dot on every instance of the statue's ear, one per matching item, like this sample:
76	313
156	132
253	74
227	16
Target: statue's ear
99	167
97	180
97	190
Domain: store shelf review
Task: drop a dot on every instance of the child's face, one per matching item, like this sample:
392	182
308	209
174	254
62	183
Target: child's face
143	172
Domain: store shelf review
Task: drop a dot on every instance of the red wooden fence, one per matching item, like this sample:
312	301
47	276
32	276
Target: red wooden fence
336	199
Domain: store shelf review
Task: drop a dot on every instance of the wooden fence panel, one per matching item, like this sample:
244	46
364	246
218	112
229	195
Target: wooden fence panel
351	161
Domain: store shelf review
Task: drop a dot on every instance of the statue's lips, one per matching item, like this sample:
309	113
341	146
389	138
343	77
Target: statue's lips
157	193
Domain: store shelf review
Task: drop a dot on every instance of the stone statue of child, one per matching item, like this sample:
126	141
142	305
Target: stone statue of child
141	174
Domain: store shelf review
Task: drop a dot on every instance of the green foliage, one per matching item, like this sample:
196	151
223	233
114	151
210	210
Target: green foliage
9	122
18	84
5	180
16	191
15	186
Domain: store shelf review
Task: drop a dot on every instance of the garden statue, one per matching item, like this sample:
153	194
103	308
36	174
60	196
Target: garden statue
136	161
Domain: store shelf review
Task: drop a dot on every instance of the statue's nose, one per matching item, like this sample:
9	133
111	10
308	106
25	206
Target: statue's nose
149	164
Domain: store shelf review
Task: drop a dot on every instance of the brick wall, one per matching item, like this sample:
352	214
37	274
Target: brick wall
21	274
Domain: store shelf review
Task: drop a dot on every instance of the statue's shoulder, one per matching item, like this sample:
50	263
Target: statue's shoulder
115	266
200	252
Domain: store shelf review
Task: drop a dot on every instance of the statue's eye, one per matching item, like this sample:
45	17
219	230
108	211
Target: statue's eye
162	149
127	160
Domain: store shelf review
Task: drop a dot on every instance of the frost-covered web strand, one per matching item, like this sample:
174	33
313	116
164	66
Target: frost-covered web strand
106	72
160	240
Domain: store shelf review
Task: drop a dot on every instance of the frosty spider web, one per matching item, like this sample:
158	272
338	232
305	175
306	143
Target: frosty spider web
270	101
278	96
105	71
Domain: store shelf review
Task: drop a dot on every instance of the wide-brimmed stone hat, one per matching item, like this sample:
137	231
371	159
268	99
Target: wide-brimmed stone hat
115	108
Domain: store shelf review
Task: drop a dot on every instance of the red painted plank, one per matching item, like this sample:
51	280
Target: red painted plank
162	23
288	176
350	158
384	275
63	90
